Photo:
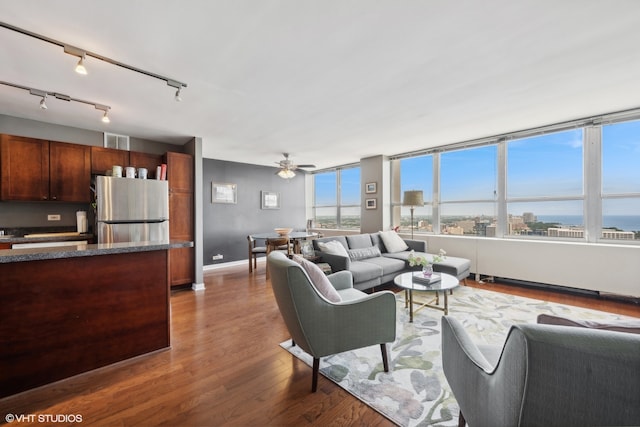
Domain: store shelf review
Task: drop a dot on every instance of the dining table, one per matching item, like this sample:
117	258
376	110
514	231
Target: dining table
294	237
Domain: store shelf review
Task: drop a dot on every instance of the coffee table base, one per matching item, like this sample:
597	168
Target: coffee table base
408	302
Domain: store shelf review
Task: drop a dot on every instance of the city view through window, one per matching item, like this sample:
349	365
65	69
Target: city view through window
544	188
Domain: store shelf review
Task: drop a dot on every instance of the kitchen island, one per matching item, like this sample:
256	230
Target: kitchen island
72	309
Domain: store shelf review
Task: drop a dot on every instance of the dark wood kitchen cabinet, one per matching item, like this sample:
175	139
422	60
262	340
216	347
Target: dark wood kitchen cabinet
36	170
103	159
145	160
180	176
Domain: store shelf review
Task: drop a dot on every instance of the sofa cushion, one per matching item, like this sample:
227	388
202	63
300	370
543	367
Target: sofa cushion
340	239
363	271
359	241
318	279
364	253
388	265
377	241
393	242
631	326
333	247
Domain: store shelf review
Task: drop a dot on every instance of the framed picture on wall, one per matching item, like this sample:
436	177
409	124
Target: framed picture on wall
270	200
370	187
370	203
223	193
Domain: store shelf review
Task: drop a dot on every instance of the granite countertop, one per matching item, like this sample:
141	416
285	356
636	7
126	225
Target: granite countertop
59	252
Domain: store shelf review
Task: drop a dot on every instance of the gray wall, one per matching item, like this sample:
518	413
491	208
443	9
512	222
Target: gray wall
226	226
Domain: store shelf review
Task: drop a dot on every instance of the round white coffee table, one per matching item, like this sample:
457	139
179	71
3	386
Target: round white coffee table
407	282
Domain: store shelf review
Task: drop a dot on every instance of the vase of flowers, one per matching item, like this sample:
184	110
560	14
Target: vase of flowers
427	265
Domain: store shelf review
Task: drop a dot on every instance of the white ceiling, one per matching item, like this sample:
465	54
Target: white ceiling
329	81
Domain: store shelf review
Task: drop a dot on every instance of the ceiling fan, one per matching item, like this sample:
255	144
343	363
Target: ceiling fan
287	167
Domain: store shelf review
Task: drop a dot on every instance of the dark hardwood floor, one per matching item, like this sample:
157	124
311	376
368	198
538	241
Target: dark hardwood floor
225	367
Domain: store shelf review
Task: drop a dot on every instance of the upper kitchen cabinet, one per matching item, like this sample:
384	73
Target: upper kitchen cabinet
25	168
179	172
35	169
69	172
103	159
145	160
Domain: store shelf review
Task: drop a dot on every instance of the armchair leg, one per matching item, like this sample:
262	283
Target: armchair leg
316	368
385	358
461	420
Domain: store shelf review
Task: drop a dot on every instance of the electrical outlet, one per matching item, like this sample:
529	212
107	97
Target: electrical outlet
217	257
55	217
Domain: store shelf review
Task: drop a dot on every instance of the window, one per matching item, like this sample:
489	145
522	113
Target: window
545	190
337	199
621	181
467	190
417	174
577	184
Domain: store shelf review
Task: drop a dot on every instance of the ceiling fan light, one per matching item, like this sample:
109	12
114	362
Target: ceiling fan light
80	69
286	173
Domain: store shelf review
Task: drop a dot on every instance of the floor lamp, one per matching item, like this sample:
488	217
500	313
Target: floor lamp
412	198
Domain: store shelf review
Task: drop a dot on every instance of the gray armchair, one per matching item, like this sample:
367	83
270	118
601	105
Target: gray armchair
322	328
544	375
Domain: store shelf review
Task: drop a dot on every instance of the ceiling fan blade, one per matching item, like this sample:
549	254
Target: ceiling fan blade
306	166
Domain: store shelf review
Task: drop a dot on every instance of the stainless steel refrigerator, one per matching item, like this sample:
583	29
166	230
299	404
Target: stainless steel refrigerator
132	210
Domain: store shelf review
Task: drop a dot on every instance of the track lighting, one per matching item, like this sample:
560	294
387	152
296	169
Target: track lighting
105	116
178	86
40	93
80	66
72	50
62	97
82	54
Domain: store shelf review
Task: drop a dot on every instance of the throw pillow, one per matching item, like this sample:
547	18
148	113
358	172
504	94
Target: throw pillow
364	253
631	326
333	247
318	279
393	242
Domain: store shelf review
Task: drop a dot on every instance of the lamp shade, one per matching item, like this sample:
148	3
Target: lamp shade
286	173
413	198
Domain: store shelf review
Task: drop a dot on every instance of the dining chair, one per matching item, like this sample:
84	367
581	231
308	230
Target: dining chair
254	251
281	244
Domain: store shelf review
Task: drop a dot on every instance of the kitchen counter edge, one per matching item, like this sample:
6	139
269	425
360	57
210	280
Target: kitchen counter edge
60	252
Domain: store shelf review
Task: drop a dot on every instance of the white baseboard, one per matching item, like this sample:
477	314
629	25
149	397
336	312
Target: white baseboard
230	264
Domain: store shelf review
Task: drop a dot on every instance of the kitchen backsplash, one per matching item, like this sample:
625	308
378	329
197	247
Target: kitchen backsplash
34	215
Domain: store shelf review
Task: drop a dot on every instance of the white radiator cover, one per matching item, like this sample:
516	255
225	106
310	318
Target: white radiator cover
608	268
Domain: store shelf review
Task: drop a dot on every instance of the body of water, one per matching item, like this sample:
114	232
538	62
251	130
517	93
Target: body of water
622	222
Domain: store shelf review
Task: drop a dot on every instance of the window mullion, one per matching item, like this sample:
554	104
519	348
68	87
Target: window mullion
593	183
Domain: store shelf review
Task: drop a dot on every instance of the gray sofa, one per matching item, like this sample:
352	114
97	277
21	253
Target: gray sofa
370	271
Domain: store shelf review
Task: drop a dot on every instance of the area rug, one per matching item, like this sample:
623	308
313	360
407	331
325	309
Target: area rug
415	391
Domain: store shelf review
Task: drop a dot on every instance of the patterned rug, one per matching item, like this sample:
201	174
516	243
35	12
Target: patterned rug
415	391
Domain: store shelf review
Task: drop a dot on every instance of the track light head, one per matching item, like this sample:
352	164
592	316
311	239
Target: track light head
178	86
43	105
80	69
72	50
105	116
